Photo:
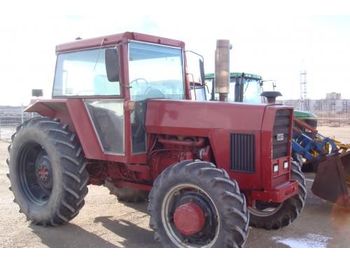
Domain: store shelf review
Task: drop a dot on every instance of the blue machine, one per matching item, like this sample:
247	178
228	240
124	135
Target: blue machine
313	148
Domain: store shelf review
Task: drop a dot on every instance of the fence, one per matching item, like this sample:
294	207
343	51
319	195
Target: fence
10	118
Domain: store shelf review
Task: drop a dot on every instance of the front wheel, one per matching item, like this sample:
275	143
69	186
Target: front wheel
194	204
277	215
47	172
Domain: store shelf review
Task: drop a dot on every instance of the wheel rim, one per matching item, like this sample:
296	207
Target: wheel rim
264	209
35	173
207	233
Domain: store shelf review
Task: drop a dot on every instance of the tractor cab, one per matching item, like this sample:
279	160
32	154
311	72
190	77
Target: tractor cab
115	76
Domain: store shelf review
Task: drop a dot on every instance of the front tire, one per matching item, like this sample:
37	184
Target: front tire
194	204
277	215
47	172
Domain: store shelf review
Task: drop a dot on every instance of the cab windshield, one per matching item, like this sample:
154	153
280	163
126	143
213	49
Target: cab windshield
83	73
250	87
155	71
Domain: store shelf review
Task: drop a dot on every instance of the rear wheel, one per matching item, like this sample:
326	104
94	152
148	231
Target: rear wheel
276	215
47	172
194	204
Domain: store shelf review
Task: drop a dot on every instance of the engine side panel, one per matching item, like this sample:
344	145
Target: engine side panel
189	117
217	121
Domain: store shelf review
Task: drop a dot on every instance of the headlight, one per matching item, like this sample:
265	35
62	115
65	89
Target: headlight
285	164
275	168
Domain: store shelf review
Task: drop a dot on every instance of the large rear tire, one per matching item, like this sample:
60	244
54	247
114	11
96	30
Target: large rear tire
47	172
195	204
274	215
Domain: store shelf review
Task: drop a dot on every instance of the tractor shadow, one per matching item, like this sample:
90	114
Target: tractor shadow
141	207
69	236
133	235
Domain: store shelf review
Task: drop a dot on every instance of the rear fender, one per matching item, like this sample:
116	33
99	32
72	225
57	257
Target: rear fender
74	113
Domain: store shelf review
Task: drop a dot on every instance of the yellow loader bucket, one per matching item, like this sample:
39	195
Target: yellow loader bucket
332	181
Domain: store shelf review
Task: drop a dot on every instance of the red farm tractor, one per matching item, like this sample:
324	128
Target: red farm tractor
122	116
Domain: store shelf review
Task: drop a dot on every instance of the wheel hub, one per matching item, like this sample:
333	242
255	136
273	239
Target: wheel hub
43	172
189	218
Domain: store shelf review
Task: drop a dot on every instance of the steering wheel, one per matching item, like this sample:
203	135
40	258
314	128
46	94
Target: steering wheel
137	81
141	86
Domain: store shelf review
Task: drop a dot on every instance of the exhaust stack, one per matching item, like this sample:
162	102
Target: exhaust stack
222	68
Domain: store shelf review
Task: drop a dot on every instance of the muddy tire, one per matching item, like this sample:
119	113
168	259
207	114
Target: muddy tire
128	195
274	216
222	217
305	166
47	172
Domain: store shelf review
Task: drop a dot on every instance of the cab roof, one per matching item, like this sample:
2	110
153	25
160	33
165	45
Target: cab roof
116	39
235	75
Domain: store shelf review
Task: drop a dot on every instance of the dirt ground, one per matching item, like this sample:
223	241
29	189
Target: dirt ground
103	222
341	133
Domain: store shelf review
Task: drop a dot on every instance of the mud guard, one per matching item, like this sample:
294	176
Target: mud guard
331	179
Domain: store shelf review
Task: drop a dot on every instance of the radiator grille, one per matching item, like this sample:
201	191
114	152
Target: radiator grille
243	152
281	133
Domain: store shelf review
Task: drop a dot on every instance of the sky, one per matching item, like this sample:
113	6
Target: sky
274	39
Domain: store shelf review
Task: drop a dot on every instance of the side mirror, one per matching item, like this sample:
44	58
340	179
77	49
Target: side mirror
201	68
274	85
112	64
193	60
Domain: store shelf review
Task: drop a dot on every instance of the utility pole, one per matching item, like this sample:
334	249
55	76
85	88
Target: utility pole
304	105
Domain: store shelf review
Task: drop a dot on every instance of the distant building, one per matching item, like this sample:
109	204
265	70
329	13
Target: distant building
333	96
333	104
